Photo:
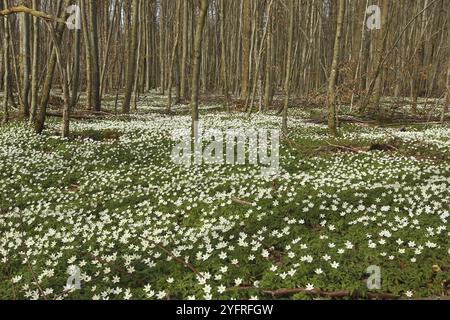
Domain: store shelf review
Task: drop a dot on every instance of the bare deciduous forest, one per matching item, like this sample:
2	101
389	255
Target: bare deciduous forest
95	96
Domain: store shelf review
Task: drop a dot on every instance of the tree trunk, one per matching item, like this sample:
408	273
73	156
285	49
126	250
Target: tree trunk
173	55
184	59
246	47
51	65
447	94
268	75
25	62
87	52
75	82
198	41
379	54
94	53
132	52
6	84
332	119
34	66
225	89
162	51
287	81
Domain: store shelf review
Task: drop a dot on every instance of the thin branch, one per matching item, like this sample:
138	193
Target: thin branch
35	13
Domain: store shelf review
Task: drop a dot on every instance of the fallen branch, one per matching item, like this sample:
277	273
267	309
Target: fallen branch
346	148
243	202
92	115
173	256
286	292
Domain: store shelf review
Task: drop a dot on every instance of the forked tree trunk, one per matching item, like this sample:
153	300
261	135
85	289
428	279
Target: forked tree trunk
51	65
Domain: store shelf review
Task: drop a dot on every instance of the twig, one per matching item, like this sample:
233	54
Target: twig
173	256
343	147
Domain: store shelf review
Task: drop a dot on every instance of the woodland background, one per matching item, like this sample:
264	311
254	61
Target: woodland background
249	51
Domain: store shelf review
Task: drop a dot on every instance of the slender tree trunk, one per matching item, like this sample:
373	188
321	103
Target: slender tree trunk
447	94
225	89
131	59
75	82
203	6
162	51
34	66
256	76
332	118
268	75
173	55
6	84
184	59
381	48
246	47
94	53
87	53
287	81
25	62
107	50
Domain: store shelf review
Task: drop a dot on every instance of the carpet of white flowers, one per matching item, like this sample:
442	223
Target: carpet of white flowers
111	203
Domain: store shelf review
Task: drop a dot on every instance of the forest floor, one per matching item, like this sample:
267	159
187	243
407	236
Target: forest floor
112	203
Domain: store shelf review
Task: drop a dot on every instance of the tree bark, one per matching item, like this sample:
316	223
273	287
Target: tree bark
447	94
246	47
132	52
51	65
25	63
332	118
380	51
6	84
184	59
203	6
287	81
93	39
35	65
